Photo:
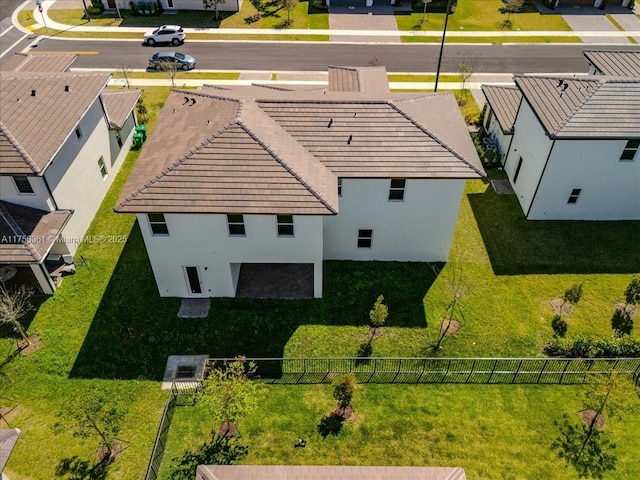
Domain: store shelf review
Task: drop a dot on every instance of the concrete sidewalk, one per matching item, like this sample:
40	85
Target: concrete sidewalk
381	36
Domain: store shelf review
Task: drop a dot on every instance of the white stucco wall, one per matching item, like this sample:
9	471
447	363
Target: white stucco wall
493	128
532	144
227	6
610	187
39	199
75	179
420	228
203	241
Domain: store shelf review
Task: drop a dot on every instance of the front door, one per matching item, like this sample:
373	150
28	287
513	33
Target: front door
194	284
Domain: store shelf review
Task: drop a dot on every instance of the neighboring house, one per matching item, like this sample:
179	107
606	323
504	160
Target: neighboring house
587	3
260	185
169	5
63	137
617	63
326	472
500	115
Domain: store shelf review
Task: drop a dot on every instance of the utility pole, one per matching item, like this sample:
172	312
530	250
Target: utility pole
444	32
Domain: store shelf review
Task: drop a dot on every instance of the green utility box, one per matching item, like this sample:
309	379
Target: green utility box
142	129
138	139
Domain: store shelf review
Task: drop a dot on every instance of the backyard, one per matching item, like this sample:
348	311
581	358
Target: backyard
107	327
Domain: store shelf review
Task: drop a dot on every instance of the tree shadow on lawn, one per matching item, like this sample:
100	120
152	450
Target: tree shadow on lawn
73	468
519	246
134	330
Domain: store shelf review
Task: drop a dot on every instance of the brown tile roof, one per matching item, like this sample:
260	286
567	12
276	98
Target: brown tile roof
358	79
34	127
315	472
118	104
589	107
504	101
27	234
217	151
39	62
619	63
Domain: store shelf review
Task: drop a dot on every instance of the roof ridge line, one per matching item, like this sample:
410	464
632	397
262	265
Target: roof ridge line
286	165
440	142
15	144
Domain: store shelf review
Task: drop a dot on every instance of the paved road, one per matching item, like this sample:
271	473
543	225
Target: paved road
278	56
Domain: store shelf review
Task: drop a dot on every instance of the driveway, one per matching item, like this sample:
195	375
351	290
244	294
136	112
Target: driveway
378	17
595	20
629	21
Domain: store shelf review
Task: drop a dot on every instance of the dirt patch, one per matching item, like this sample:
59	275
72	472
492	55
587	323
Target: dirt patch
375	332
558	307
343	413
228	429
627	307
34	344
589	415
104	456
451	326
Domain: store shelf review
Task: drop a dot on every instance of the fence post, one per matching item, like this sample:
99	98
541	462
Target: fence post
515	375
375	367
495	364
563	371
542	371
473	366
397	371
424	365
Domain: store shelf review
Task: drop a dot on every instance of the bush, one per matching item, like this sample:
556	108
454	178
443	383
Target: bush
343	387
559	326
622	323
587	347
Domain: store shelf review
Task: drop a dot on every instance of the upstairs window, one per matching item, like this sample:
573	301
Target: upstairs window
575	193
285	225
103	168
515	176
396	191
236	225
22	184
364	238
78	133
339	187
158	224
630	150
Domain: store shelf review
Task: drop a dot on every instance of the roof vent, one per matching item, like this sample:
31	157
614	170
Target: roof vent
330	123
18	99
66	88
33	93
186	100
350	138
193	102
355	115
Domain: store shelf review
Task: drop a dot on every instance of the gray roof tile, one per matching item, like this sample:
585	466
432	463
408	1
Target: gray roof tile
619	63
358	79
504	101
39	62
118	105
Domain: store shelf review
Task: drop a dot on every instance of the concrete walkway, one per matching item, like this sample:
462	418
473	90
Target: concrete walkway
612	37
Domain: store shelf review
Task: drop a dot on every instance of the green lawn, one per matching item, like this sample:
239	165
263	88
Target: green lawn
483	15
107	326
494	432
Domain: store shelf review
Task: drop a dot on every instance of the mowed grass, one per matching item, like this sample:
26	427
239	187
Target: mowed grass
493	432
483	15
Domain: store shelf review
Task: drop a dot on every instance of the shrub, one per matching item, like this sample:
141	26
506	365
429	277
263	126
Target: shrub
622	323
343	387
559	326
587	347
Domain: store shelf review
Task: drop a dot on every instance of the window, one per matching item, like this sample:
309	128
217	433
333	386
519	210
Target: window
22	184
119	138
489	118
236	225
78	133
158	224
102	167
575	193
285	225
364	238
396	191
515	177
339	187
630	150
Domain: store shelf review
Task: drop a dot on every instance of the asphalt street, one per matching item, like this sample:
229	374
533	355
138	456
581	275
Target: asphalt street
284	56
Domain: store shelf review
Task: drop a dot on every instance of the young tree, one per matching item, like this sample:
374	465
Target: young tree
231	393
459	286
425	12
632	293
93	414
510	7
15	304
379	313
343	388
572	295
288	5
466	68
213	4
171	69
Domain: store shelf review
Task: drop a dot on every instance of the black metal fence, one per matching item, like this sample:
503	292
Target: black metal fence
179	393
438	370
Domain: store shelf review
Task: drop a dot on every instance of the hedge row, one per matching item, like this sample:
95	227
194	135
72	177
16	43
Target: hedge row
586	347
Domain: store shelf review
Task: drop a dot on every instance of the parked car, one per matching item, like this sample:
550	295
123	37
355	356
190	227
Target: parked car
173	34
178	60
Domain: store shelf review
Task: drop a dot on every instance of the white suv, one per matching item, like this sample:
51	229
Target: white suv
173	34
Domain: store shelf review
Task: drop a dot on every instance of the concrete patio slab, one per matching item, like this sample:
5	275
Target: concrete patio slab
179	366
194	308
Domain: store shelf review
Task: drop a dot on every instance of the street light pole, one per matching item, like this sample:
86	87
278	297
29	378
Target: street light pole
444	32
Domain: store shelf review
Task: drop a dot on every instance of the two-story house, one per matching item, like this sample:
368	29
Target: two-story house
63	137
252	184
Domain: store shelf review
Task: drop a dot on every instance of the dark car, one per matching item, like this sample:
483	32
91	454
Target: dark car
164	60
